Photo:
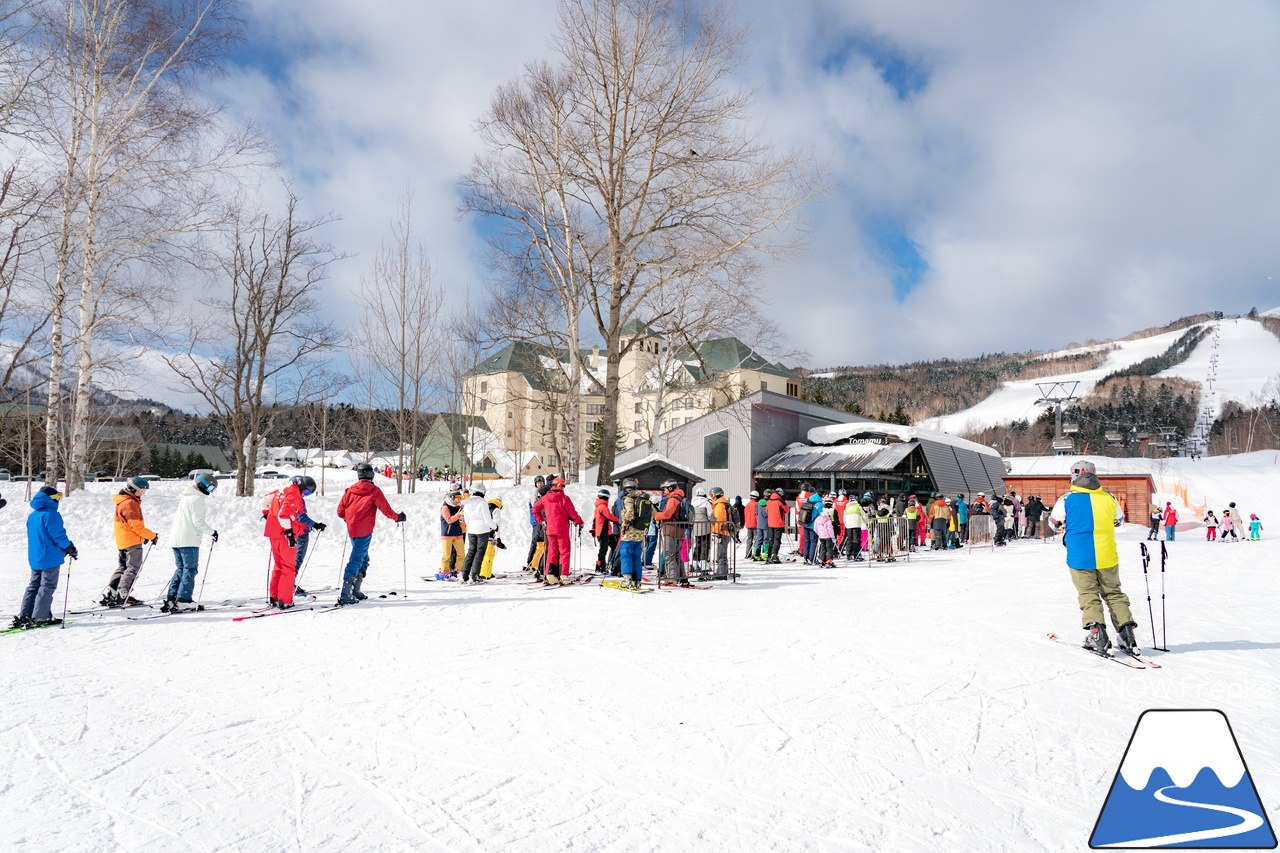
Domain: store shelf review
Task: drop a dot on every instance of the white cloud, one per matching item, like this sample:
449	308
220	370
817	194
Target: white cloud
1067	171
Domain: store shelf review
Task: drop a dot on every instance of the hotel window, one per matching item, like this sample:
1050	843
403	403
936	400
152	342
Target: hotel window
638	425
484	404
484	386
639	408
764	386
595	408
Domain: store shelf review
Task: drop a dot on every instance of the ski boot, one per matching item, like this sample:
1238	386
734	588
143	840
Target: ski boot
1095	638
1125	639
297	590
110	599
355	587
170	604
23	622
44	623
347	596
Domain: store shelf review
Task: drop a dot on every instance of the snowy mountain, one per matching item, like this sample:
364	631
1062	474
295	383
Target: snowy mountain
1239	354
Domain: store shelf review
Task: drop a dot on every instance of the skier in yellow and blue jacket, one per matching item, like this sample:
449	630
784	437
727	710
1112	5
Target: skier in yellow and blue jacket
1089	516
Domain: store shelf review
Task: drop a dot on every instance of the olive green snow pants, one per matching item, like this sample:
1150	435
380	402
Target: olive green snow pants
1094	585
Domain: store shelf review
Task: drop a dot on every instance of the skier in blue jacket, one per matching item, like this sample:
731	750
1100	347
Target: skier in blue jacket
47	547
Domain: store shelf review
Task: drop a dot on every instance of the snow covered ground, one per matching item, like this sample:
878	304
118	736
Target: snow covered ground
908	706
1248	355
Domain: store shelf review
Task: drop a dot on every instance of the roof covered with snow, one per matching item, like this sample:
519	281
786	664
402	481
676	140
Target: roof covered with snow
654	459
839	432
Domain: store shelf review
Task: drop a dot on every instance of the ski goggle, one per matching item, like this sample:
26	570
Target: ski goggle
307	493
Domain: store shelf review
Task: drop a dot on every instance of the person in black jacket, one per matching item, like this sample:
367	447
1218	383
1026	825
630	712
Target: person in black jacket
1034	508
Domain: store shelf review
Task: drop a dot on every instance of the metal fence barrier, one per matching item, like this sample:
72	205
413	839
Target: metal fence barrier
982	532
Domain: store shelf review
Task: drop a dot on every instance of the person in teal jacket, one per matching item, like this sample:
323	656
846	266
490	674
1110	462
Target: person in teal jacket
1089	517
47	547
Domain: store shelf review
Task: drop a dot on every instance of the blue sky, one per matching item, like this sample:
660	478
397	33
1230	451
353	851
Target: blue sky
1009	175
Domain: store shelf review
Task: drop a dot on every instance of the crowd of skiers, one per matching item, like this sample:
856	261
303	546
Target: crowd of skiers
695	533
1216	528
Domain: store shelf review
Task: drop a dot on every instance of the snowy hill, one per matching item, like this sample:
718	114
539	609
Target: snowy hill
900	706
1247	356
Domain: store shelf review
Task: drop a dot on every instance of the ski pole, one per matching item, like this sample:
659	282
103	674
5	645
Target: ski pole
270	556
66	593
1151	616
404	558
208	560
342	568
306	561
1164	623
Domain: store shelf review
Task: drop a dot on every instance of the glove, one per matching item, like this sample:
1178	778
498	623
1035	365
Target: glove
3	503
291	539
497	543
320	526
155	540
72	552
400	517
215	536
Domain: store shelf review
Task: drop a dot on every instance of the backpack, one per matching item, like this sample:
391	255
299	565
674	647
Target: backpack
806	513
644	515
684	513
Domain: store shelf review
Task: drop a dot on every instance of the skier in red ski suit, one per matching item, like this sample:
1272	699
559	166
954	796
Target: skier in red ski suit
555	510
287	520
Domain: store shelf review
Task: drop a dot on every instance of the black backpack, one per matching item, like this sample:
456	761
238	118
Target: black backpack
806	513
644	515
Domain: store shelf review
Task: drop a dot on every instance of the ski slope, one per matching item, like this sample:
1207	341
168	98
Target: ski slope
906	706
1248	355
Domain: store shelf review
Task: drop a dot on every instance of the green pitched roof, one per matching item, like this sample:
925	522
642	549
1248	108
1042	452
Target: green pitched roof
520	357
724	354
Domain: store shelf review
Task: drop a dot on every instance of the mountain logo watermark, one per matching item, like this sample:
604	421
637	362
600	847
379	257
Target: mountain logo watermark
1183	783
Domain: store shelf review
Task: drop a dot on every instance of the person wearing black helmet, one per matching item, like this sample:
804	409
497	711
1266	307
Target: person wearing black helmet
537	532
287	520
359	508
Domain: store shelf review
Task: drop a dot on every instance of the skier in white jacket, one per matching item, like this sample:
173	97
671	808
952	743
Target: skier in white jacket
189	526
480	526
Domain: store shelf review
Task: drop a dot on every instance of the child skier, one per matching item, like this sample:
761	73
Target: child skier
188	528
1089	517
359	508
130	533
47	547
604	527
1228	526
824	529
1210	527
854	522
451	537
1156	518
1255	528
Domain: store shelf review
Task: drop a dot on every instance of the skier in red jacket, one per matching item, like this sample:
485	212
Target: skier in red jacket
604	527
359	508
555	510
286	520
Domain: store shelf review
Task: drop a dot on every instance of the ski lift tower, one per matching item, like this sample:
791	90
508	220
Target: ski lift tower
1058	394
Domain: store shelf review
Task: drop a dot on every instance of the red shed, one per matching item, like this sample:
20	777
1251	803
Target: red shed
1135	491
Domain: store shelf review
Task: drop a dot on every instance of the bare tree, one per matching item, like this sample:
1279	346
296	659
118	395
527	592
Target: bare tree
401	333
631	167
139	155
263	337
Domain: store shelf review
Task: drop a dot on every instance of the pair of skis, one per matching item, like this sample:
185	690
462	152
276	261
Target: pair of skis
1122	657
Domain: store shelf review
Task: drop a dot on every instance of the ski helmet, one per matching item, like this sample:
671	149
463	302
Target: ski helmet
539	480
670	485
206	484
700	492
305	483
753	494
477	491
717	492
603	493
364	471
496	503
1083	466
780	493
137	484
630	484
52	492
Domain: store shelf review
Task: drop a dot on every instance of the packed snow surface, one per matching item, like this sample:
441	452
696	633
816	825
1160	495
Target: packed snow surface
899	707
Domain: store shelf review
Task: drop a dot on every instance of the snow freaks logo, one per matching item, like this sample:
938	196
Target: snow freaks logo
1183	783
